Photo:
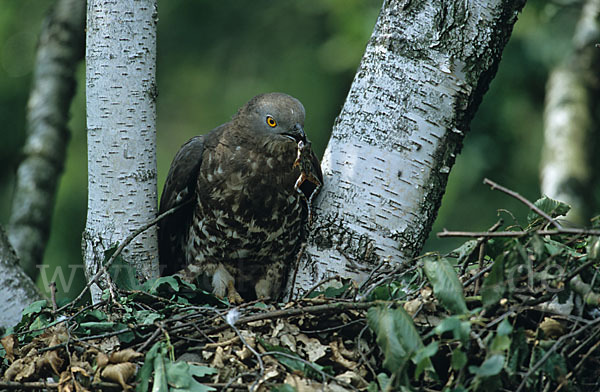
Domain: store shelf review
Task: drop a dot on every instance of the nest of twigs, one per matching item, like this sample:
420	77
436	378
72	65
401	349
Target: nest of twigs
514	308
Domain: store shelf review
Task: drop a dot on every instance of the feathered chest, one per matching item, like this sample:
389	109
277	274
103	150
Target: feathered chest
250	184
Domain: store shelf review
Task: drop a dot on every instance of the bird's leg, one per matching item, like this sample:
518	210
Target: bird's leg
232	295
224	284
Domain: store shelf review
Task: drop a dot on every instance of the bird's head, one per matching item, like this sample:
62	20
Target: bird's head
274	113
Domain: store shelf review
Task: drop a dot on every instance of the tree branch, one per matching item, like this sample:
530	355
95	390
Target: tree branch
59	51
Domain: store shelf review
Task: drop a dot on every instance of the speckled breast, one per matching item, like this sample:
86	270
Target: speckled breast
247	210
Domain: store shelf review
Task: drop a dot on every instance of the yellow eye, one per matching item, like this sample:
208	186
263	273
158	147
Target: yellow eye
271	122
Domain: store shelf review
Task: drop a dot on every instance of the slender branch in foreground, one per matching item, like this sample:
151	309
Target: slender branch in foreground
118	251
523	200
520	233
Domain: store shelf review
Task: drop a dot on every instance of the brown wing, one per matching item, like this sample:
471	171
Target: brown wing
180	187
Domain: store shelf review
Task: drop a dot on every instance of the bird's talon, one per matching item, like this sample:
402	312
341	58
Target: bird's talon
232	295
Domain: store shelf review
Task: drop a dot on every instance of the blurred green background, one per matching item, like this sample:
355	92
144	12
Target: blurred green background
214	56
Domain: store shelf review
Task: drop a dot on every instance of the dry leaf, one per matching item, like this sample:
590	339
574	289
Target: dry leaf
21	370
50	359
9	342
101	359
126	355
244	353
64	382
313	347
119	373
339	358
412	306
217	361
353	378
552	328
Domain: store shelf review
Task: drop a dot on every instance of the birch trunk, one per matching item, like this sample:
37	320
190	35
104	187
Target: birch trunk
569	120
423	74
59	51
17	290
121	114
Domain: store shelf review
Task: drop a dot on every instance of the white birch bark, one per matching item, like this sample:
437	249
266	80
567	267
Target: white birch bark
121	114
569	120
17	290
420	80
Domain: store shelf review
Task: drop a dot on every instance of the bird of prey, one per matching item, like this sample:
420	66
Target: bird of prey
245	190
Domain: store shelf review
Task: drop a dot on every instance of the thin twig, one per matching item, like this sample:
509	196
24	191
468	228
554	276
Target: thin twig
261	365
296	268
119	249
523	200
52	286
521	233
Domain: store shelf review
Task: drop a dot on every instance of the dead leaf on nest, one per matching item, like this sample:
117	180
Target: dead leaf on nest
426	292
119	373
552	328
270	373
353	378
312	347
101	359
302	384
71	380
339	358
20	370
9	342
126	355
217	361
50	359
413	305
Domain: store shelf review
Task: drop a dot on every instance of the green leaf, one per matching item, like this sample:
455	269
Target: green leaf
180	377
459	359
490	367
451	323
494	285
500	343
384	381
146	317
143	376
422	357
121	272
388	292
154	286
397	336
460	329
518	353
504	328
97	326
124	337
552	207
35	307
285	388
169	375
446	286
331	291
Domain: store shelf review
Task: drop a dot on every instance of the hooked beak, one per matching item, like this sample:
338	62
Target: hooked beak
296	133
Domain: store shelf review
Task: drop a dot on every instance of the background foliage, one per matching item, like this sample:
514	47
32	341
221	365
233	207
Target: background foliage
214	56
